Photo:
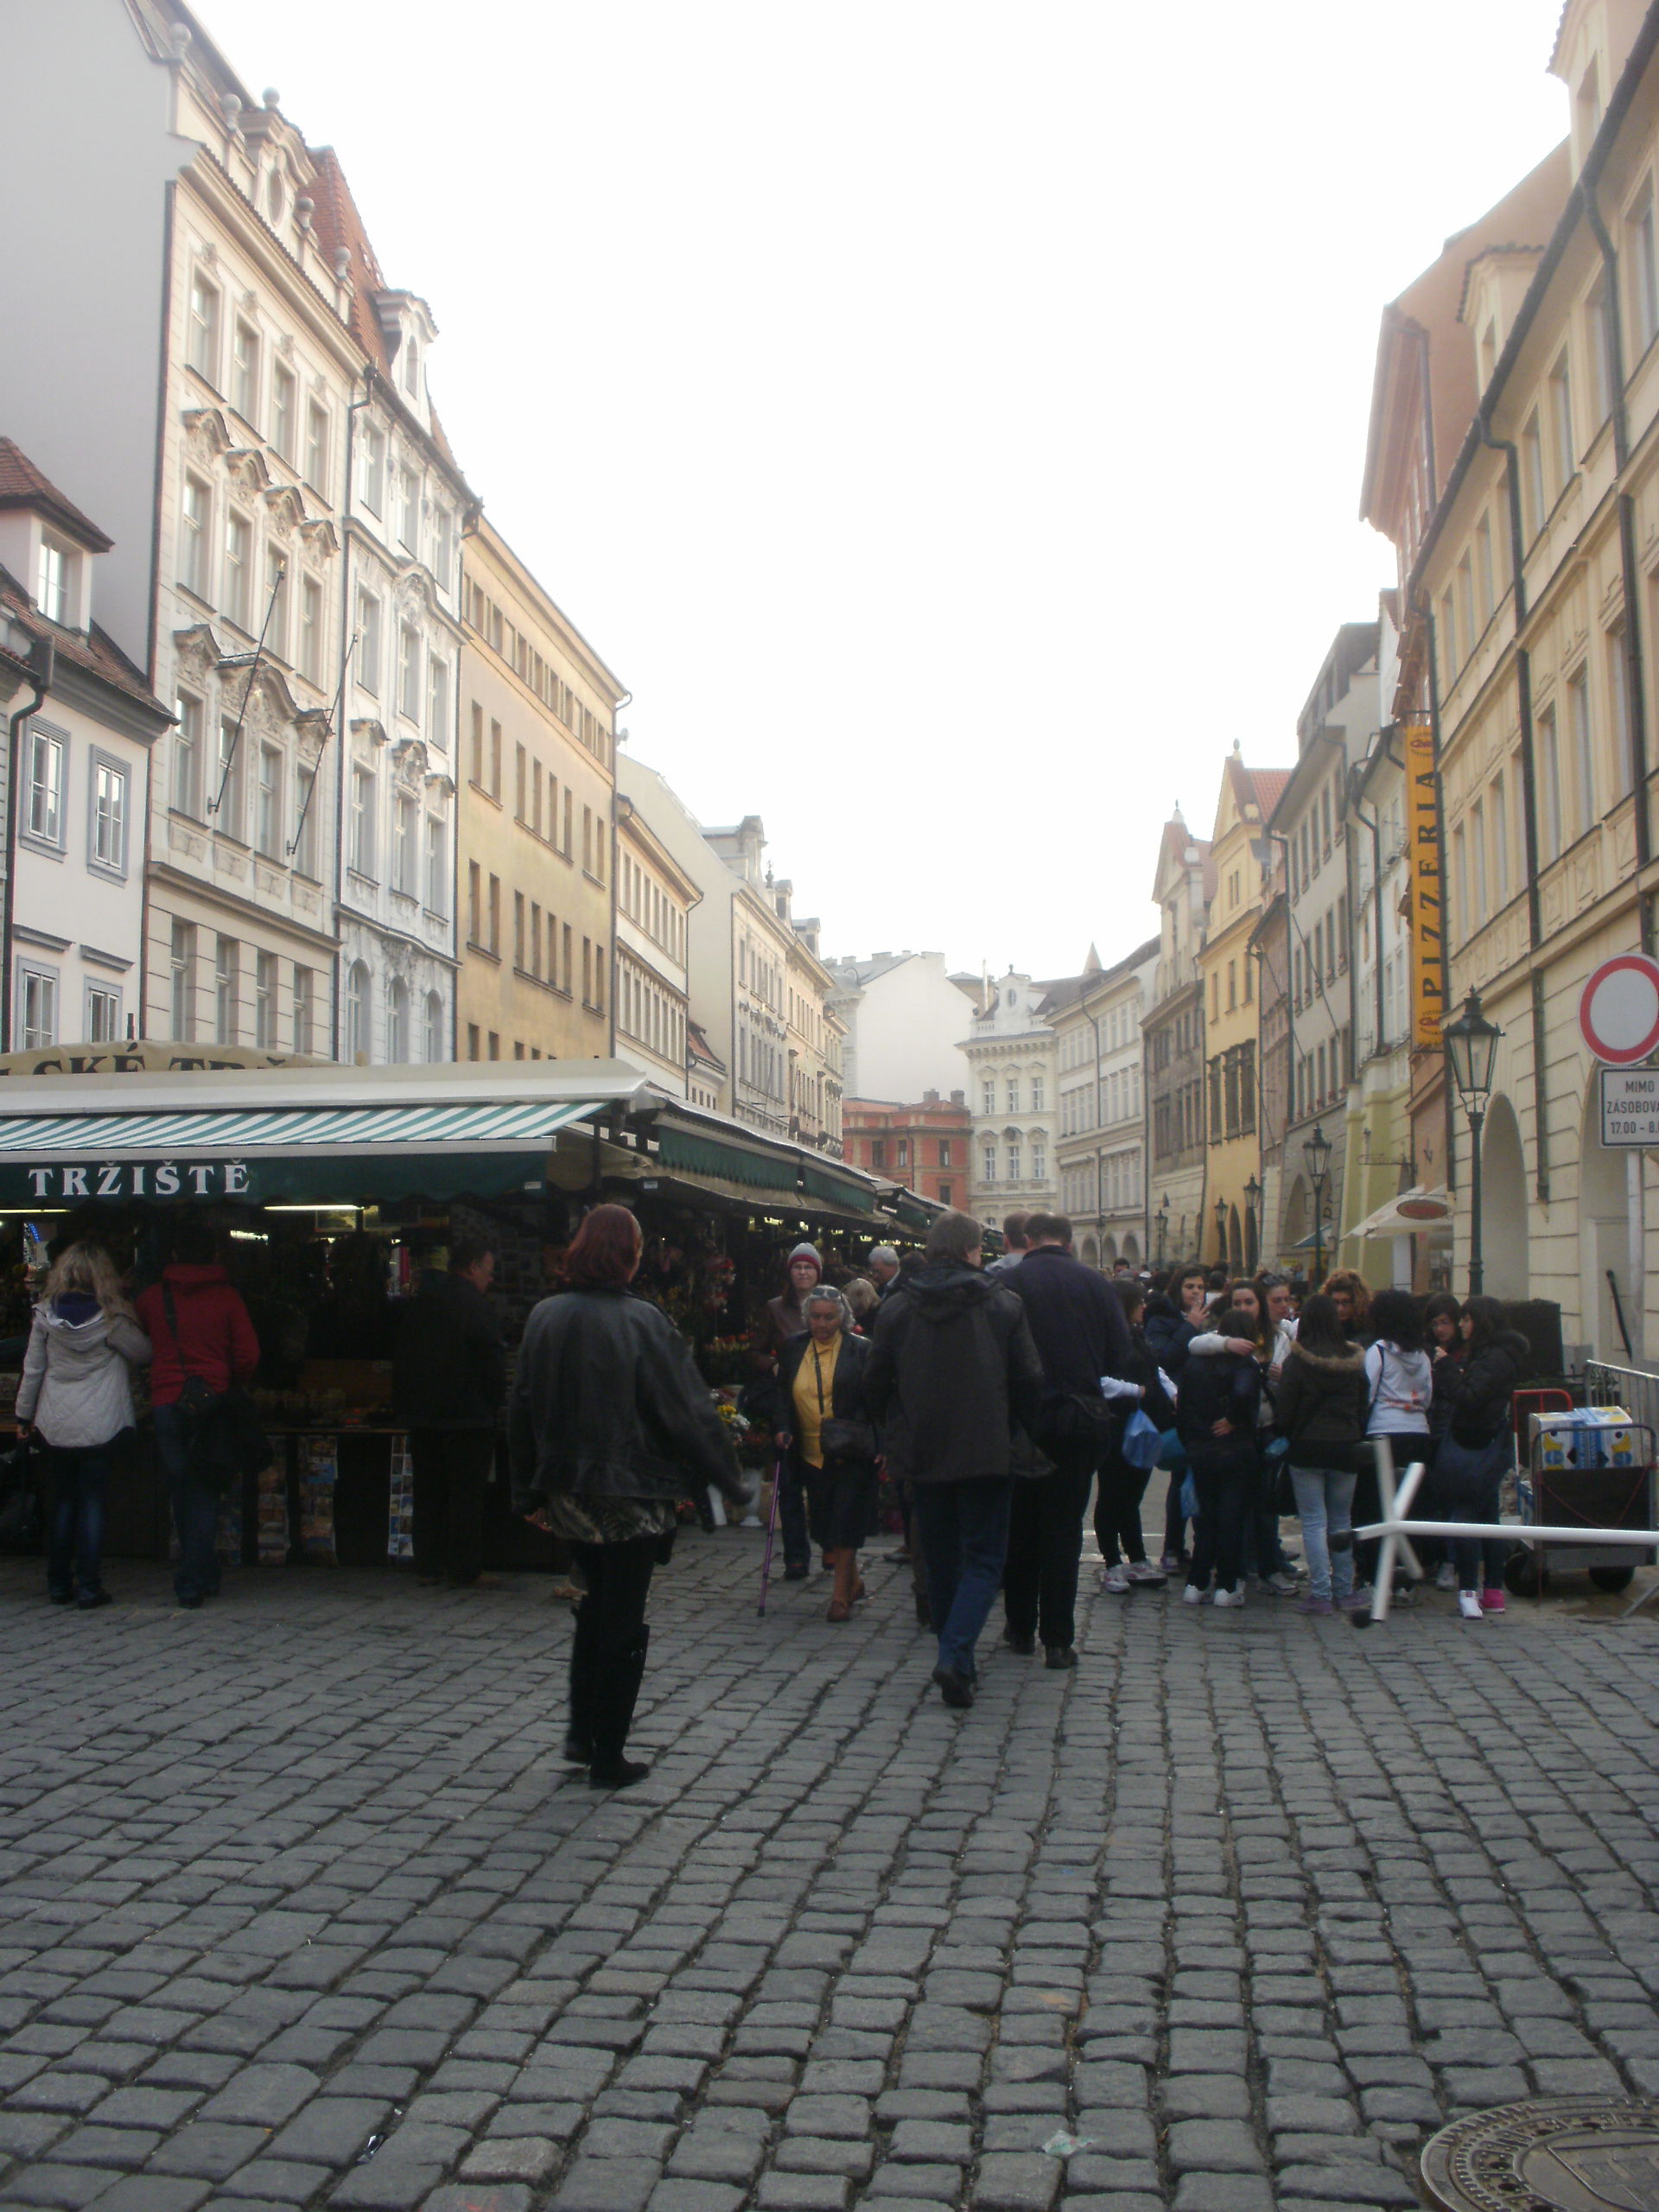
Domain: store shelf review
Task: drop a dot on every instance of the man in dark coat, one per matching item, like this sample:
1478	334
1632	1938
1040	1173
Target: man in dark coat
449	1382
1078	1325
951	1371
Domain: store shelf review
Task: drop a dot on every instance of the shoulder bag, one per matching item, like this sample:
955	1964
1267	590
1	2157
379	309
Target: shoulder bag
224	1437
839	1438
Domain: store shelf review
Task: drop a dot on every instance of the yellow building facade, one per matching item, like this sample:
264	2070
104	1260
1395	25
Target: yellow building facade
1229	1226
536	858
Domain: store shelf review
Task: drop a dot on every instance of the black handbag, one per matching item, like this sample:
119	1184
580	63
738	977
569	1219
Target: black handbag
1076	1419
839	1438
224	1437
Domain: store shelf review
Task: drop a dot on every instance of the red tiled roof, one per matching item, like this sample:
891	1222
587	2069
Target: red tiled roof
90	650
21	485
1269	786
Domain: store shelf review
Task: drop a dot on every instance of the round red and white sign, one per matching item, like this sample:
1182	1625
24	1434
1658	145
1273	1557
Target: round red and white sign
1618	1009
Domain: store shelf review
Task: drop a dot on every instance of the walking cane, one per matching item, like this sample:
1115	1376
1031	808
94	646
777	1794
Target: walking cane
771	1529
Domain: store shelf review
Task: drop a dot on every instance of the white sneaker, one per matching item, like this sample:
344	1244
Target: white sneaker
1469	1605
1142	1570
1285	1584
1445	1576
1115	1579
1192	1595
1233	1597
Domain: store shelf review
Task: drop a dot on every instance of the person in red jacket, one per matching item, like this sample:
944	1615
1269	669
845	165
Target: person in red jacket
199	1325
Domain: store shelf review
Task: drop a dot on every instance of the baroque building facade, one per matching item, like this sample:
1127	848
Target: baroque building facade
1100	1146
1010	1092
1173	1049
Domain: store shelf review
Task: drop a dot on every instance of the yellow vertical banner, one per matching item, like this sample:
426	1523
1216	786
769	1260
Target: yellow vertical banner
1425	902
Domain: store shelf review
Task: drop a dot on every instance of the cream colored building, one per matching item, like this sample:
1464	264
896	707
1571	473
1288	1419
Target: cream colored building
537	769
1011	1094
654	899
1100	1148
1546	669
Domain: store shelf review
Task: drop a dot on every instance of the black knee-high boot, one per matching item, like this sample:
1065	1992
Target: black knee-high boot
618	1671
579	1740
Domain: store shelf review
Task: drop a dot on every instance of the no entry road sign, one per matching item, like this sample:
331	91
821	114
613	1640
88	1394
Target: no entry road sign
1618	1009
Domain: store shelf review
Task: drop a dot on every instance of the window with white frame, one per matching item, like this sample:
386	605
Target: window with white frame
1577	725
1039	1163
437	865
409	680
436	1038
1644	256
410	366
397	1021
317	444
53	594
1013	1163
1014	1094
195	523
988	1096
244	371
284	410
228	813
405	835
182	979
1535	495
201	349
438	703
373	478
443	558
1038	1093
313	619
988	1165
107	832
359	1013
103	1014
265	1000
224	990
305	819
305	1005
360	844
43	785
268	806
1563	449
409	507
37	1006
274	614
368	642
238	569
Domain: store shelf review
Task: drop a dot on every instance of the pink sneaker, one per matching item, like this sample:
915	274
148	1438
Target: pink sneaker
1491	1601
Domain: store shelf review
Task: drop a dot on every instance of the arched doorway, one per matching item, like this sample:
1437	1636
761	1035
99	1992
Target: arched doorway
1504	1204
1132	1250
1235	1242
1091	1253
1604	1241
1107	1250
1298	1220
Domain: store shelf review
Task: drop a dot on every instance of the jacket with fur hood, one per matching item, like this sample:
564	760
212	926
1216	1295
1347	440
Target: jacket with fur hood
952	1367
76	1388
1323	1398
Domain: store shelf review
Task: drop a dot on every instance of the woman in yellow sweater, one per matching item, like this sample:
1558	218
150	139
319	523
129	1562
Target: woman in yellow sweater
831	1438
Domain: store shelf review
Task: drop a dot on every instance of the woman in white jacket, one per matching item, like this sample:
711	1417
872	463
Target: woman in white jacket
77	1395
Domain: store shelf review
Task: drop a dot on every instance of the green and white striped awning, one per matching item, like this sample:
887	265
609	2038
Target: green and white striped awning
347	1154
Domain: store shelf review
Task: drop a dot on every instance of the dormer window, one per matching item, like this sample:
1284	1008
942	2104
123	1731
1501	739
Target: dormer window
54	592
276	198
412	367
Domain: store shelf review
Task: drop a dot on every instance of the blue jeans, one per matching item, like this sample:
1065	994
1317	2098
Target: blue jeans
1325	1499
80	1479
1469	1478
195	1510
964	1530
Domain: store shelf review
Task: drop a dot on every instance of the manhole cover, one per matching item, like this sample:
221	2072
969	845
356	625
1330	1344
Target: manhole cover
1552	2154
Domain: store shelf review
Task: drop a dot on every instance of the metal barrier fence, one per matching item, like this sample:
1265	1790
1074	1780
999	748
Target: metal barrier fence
1633	1388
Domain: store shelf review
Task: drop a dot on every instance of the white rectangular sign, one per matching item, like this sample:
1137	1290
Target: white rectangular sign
1629	1106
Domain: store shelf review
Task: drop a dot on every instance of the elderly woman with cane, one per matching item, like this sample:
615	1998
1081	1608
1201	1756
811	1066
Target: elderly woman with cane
827	1432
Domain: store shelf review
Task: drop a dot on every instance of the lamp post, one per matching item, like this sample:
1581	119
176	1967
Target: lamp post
1471	1047
1162	1219
1253	1207
1221	1232
1317	1152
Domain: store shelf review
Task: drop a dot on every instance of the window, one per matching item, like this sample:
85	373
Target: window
267	810
474	914
518	928
1486	592
1477	840
1534	498
406	844
201	348
1038	1164
1038	1093
1500	841
443	558
52	591
1468	629
410	365
1563	452
37	1007
437	866
359	1019
311	630
183	963
373	479
495	914
987	1096
244	371
944	1152
904	1152
368	643
284	410
1014	1094
397	1021
108	838
988	1165
276	615
196	515
1601	358
238	569
228	788
1013	1163
408	680
304	819
265	1000
103	1014
1578	730
409	507
224	991
438	703
316	446
1550	786
360	848
1644	292
304	1008
44	819
436	1037
1618	692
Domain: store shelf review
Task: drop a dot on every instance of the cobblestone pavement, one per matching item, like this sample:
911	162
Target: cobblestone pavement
301	1908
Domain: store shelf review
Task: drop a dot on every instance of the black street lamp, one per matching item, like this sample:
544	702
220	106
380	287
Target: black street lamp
1221	1231
1317	1152
1162	1219
1253	1207
1471	1047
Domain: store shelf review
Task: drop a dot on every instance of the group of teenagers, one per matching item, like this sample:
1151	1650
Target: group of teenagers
997	1399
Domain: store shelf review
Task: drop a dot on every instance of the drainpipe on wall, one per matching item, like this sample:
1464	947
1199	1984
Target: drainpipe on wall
352	410
1281	839
42	662
1448	1140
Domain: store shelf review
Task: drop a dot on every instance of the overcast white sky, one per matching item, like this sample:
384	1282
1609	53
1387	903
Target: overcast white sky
947	418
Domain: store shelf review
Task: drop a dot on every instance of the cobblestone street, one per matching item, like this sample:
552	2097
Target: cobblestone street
303	1910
